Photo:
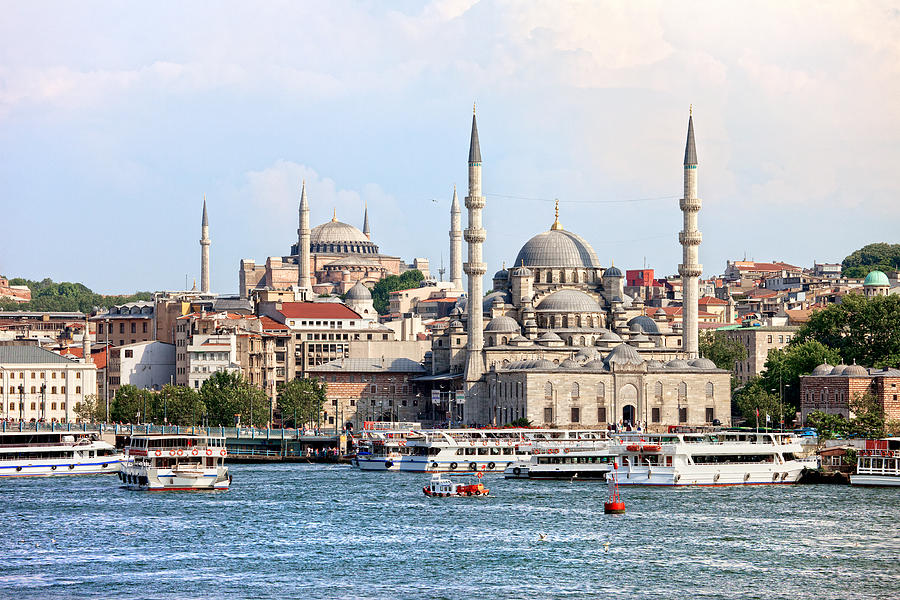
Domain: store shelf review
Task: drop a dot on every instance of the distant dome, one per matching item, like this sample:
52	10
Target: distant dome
623	354
594	364
568	364
855	371
610	336
358	292
501	274
613	271
655	364
334	232
549	336
557	248
678	364
824	369
502	325
572	301
543	363
647	324
702	363
839	370
876	279
488	302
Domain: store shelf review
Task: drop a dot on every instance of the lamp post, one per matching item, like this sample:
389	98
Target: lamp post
43	400
21	402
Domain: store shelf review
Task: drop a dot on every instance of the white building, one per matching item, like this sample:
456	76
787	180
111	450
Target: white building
147	365
38	384
210	353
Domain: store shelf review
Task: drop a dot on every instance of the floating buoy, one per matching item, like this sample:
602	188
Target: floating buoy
614	504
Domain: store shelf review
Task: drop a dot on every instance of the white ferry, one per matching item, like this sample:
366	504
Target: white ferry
565	459
710	458
878	464
454	450
176	462
29	453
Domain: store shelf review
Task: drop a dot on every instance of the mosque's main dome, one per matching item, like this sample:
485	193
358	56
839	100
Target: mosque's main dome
339	237
557	248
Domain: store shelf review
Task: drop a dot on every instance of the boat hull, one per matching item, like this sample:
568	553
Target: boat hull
413	464
667	476
156	480
53	467
875	480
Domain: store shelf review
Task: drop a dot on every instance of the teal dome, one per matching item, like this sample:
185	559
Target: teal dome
876	279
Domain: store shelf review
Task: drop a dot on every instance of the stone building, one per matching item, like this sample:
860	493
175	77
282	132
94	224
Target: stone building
147	365
126	324
832	389
758	341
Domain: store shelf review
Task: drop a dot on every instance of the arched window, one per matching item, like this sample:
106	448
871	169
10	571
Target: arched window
548	391
658	392
682	391
562	276
710	390
583	341
576	391
601	392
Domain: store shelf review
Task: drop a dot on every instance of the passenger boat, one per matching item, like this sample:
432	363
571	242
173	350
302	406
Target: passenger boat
441	487
29	453
565	459
176	462
878	464
711	458
455	450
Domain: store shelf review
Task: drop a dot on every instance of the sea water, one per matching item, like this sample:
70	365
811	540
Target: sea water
331	531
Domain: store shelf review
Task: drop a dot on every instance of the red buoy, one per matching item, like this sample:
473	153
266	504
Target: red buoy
614	504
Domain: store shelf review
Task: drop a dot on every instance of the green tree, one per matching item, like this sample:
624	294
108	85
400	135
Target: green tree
179	405
784	367
303	397
381	291
828	426
754	397
722	350
863	330
92	409
872	257
228	394
132	405
867	417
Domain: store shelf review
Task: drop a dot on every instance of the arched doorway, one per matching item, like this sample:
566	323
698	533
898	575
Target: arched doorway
628	414
627	399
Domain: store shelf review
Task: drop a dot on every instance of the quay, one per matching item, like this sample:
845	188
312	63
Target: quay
244	444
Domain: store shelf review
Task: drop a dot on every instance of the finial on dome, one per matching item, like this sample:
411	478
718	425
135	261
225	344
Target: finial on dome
334	215
556	224
473	107
691	110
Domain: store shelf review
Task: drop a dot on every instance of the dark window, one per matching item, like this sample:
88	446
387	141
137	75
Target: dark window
133	328
654	415
548	415
601	414
129	354
682	415
576	414
121	327
145	327
710	415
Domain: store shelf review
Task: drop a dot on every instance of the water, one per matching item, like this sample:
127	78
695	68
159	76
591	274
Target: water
288	531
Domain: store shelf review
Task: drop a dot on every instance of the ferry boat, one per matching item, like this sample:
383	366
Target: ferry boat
29	453
455	450
707	458
442	487
176	462
878	464
565	459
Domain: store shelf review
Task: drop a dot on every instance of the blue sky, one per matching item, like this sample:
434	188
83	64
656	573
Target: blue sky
116	118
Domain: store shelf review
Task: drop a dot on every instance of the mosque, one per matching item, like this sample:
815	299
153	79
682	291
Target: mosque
558	342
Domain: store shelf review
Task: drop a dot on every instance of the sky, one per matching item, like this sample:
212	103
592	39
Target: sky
116	118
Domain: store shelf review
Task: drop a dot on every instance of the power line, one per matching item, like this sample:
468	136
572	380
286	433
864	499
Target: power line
621	201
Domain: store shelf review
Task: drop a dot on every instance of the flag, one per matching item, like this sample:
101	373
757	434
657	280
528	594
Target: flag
768	418
757	413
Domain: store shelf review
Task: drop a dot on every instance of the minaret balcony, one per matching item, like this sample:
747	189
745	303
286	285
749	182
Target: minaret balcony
690	204
690	270
475	236
476	269
475	202
690	238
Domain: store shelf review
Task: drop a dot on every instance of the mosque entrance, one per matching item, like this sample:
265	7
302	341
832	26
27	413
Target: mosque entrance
628	415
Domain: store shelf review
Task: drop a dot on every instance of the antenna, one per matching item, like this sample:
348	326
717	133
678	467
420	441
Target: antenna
442	270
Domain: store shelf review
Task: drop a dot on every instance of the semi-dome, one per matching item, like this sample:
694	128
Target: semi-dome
587	354
557	248
702	363
610	336
358	292
823	369
502	324
876	279
613	271
571	301
623	354
855	371
488	302
647	324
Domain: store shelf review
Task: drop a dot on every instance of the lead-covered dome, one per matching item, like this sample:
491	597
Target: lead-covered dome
646	324
623	354
571	301
358	292
557	248
338	237
502	324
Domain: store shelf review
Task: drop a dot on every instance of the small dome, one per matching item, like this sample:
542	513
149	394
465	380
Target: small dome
610	336
456	324
568	364
702	363
645	323
521	271
501	274
530	323
456	312
572	301
502	325
520	338
557	248
839	370
595	364
824	369
613	271
639	338
587	354
542	363
491	299
678	364
655	364
876	279
623	354
358	292
855	371
549	336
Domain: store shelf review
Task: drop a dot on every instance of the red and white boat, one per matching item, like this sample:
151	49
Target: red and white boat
443	487
878	464
176	462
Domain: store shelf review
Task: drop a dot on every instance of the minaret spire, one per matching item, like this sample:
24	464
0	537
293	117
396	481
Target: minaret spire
690	237
366	222
455	243
475	236
204	250
304	281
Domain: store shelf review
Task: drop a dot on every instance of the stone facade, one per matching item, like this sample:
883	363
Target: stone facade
833	389
758	341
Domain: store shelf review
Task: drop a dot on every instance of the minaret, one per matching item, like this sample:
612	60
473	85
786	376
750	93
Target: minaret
204	250
303	234
690	239
455	243
366	223
86	343
474	267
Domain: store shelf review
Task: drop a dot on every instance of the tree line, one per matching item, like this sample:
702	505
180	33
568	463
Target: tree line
217	403
50	296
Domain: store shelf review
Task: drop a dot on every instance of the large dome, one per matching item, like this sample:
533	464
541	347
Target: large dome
557	248
336	232
572	301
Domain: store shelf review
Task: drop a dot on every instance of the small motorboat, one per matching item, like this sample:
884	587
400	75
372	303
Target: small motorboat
442	487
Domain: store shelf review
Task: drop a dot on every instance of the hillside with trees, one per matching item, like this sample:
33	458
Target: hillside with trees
381	292
872	257
48	295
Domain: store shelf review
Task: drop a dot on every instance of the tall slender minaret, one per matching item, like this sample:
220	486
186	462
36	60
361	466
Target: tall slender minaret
303	234
455	243
366	223
474	267
86	343
204	250
690	239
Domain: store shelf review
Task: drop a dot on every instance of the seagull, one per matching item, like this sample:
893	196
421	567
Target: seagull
542	537
606	546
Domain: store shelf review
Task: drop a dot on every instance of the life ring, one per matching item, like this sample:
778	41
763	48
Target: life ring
566	450
209	452
171	453
453	465
104	465
480	475
434	465
53	468
473	466
491	466
388	464
516	470
71	467
180	452
159	452
484	443
195	452
497	442
223	452
401	443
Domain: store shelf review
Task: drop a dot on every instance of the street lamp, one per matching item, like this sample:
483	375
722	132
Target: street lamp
21	402
43	400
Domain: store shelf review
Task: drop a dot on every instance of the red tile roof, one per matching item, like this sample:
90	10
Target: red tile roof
712	300
317	310
98	357
269	324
